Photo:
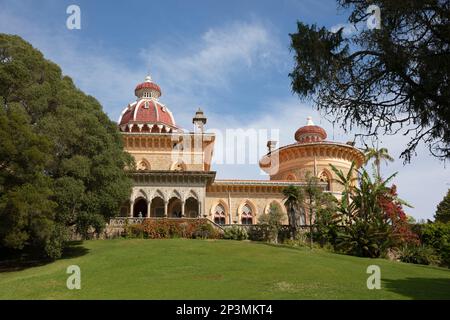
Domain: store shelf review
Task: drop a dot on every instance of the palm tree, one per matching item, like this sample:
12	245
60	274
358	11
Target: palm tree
293	197
378	155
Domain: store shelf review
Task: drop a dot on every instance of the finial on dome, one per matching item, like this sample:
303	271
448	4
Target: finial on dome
148	78
310	133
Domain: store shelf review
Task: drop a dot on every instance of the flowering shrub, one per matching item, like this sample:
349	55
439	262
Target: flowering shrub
401	232
236	233
180	228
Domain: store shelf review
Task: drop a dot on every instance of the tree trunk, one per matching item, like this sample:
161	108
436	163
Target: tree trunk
310	223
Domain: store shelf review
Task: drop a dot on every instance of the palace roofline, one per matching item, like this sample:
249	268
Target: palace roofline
318	143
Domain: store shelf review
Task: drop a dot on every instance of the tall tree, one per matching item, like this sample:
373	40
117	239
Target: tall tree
386	80
273	220
61	158
313	200
443	209
378	155
293	198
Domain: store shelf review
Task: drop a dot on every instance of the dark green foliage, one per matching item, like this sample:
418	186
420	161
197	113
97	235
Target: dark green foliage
382	80
314	200
443	209
364	239
419	254
437	236
61	158
326	226
293	197
273	222
371	219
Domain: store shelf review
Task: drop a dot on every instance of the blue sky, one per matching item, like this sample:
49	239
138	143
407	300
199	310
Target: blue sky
231	58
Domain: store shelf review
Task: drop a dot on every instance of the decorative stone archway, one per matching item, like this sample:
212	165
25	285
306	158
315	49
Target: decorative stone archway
175	208
191	208
157	207
140	208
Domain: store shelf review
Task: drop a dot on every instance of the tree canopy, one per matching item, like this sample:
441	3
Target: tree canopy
61	157
387	80
443	209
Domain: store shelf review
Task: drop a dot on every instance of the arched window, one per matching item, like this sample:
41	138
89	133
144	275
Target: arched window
179	166
143	165
246	215
219	214
323	177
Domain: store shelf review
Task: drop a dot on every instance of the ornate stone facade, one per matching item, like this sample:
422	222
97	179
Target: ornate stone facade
173	176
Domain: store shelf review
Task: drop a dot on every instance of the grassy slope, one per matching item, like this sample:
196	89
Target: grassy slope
196	269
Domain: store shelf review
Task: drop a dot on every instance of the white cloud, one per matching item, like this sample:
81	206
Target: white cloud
213	59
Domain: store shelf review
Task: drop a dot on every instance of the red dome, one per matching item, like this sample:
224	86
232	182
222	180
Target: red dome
147	115
147	85
310	133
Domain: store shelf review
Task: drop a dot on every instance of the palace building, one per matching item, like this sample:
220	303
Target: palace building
173	175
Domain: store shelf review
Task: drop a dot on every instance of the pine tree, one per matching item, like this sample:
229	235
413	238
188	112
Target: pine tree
443	209
61	157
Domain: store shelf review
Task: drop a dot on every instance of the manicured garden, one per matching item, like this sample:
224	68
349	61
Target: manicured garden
217	269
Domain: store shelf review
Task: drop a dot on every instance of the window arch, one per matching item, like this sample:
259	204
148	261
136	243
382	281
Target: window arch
219	214
325	178
179	166
143	165
246	214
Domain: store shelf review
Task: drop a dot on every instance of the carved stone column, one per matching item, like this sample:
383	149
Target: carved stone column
149	205
166	204
182	209
131	208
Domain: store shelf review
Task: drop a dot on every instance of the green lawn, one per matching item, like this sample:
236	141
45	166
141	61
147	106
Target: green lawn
200	269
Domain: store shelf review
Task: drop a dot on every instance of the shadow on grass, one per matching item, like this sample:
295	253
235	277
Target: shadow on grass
419	288
14	261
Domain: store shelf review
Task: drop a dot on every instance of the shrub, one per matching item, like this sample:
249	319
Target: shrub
437	236
235	233
326	227
259	232
363	239
300	238
163	228
204	231
272	223
419	254
134	231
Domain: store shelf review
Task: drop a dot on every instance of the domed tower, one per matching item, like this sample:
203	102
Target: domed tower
313	154
310	133
172	166
147	113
